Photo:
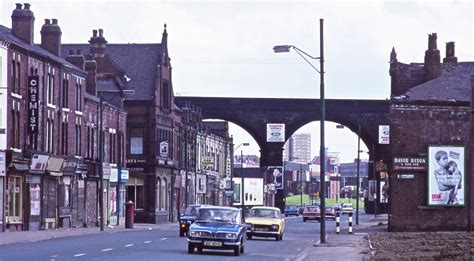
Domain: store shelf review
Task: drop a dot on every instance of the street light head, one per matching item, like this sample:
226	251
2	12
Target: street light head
282	48
245	144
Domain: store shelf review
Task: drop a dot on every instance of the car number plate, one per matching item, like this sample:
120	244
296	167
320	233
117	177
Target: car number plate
261	229
213	243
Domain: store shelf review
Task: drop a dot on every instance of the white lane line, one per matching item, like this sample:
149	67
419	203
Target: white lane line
106	249
81	254
164	238
146	242
129	245
53	256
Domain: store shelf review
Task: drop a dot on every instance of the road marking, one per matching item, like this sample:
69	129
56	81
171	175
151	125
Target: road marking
164	238
81	254
146	242
53	256
106	249
129	245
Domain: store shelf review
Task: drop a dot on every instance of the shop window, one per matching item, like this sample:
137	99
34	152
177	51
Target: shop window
13	210
136	192
159	204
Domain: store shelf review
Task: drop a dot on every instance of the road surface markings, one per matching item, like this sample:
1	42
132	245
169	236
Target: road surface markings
129	245
164	238
106	249
53	256
81	254
147	242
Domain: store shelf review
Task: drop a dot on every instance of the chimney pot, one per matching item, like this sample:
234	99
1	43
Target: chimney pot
18	6
47	21
94	33
55	21
27	6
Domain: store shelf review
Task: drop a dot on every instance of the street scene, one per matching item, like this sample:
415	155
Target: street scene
269	130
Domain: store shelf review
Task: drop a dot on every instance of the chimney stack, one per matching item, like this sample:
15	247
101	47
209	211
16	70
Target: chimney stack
91	81
23	21
432	59
98	44
450	58
51	36
76	59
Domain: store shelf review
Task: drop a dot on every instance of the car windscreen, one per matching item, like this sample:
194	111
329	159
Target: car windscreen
210	214
264	213
312	208
190	211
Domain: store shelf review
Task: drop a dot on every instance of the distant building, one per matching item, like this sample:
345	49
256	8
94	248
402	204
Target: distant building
298	148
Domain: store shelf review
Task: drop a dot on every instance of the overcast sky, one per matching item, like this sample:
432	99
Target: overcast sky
224	48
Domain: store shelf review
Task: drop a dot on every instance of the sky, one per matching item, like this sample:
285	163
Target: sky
223	48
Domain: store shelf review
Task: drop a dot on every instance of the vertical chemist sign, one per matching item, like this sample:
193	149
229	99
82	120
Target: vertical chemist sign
33	94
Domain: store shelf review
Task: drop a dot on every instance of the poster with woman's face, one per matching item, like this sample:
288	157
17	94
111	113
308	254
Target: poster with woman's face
446	175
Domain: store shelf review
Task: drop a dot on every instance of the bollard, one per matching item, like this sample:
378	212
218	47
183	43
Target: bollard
129	212
350	223
338	224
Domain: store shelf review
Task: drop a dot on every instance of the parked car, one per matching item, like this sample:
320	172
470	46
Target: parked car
347	208
291	210
265	222
217	228
337	207
187	218
330	213
311	212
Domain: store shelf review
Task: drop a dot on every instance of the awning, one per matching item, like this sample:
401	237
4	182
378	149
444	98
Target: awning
55	164
19	166
38	163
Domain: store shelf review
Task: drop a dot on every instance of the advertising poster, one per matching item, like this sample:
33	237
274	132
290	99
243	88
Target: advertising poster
384	134
201	184
384	191
446	175
275	132
275	176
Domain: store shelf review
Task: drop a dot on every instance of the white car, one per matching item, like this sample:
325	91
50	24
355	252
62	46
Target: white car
347	208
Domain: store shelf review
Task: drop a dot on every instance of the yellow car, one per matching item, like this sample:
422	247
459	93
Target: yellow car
265	222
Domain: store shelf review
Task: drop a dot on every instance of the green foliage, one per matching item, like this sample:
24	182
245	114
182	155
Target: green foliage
296	200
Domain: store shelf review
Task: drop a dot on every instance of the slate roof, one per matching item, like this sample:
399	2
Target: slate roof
454	84
6	34
139	62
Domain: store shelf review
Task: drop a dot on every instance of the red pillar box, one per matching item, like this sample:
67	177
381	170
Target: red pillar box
129	212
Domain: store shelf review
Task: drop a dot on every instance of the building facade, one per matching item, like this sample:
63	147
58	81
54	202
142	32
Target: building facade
430	114
298	148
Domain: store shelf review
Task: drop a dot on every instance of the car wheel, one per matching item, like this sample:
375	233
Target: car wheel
199	249
277	237
190	248
281	236
181	233
304	219
237	251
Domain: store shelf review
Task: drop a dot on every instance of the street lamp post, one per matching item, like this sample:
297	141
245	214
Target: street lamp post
242	196
358	175
286	48
101	167
301	184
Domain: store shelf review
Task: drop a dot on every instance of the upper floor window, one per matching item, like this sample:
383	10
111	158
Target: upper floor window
78	139
166	96
78	97
16	73
136	141
65	93
64	138
50	86
15	129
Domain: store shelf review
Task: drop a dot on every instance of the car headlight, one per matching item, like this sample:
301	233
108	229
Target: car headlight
195	233
275	227
231	235
249	225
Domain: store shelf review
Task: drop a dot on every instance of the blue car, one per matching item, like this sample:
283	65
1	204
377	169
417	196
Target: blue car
291	210
217	228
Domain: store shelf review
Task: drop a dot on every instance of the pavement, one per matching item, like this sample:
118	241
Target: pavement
345	246
342	246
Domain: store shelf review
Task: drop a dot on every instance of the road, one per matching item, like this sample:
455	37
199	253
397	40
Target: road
165	244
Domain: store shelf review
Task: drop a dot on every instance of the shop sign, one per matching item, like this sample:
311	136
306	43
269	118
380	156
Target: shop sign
406	176
201	184
123	175
113	175
2	164
106	171
33	98
207	162
55	166
409	164
384	134
39	163
164	149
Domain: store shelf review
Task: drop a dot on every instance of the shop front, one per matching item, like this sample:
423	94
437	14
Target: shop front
33	184
118	178
3	172
51	219
14	210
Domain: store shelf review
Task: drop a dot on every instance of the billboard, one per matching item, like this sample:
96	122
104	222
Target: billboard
384	134
275	176
275	132
253	191
446	175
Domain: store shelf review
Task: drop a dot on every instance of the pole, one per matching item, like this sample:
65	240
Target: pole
242	178
101	167
375	178
186	164
301	184
358	176
322	149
